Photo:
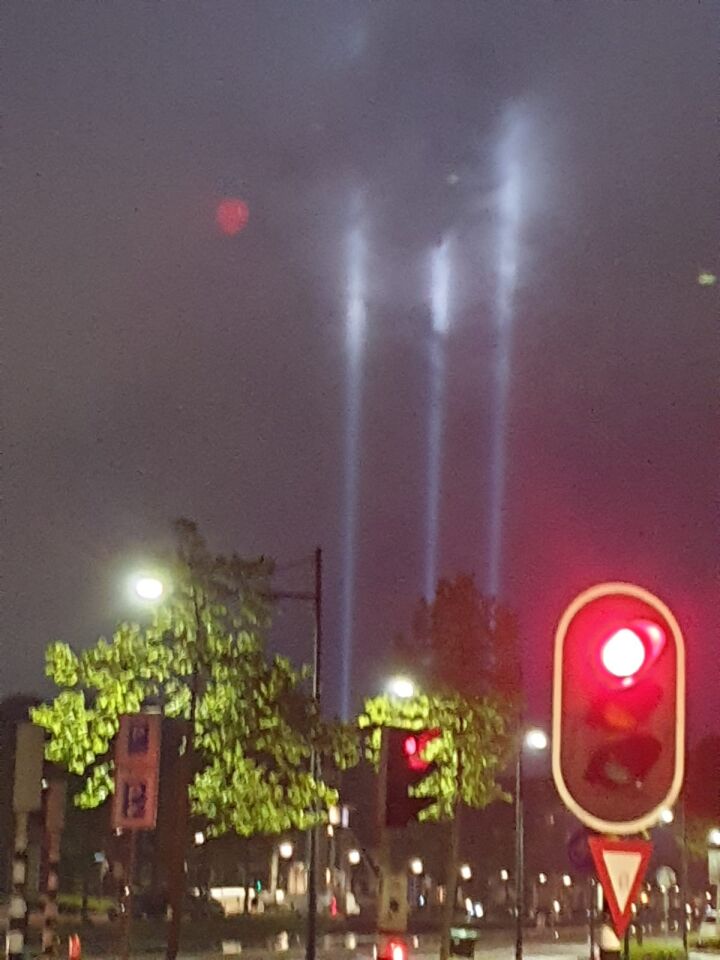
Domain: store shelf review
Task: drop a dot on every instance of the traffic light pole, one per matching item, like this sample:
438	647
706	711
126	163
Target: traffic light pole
519	856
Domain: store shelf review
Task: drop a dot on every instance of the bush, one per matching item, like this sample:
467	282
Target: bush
656	950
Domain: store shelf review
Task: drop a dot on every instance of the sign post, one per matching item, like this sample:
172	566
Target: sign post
618	740
137	768
27	799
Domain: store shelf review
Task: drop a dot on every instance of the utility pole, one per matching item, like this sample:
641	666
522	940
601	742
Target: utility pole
519	855
311	943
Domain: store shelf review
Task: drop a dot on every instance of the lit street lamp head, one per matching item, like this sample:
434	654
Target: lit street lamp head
401	687
536	739
148	587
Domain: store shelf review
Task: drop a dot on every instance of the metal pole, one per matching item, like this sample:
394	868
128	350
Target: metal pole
519	857
129	881
311	943
683	874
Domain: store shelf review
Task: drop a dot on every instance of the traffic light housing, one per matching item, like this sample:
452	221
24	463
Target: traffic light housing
406	768
618	708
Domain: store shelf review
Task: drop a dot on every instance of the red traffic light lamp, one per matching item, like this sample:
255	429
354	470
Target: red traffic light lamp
618	708
406	768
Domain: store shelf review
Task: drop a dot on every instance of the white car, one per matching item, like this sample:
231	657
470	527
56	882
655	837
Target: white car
708	929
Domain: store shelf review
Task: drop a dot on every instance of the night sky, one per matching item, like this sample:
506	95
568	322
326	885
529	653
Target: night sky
155	367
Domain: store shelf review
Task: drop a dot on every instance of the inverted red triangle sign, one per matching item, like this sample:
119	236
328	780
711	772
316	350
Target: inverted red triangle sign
621	866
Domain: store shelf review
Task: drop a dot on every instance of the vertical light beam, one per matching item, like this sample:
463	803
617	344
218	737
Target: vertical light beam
356	322
439	298
508	242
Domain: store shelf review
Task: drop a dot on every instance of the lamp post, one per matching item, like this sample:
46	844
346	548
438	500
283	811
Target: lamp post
315	597
533	739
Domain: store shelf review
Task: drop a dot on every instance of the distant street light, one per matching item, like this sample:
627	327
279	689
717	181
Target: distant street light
285	849
666	815
504	876
567	880
199	838
714	836
536	739
148	587
401	687
416	866
532	739
354	857
466	872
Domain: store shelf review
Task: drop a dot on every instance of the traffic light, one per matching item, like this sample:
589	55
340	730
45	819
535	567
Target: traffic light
406	768
618	708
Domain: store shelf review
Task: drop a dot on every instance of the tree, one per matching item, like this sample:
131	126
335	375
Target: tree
464	655
463	642
248	721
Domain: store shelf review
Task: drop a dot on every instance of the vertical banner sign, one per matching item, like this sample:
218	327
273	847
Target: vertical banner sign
137	765
29	750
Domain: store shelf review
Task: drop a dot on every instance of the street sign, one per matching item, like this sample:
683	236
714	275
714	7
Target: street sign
621	866
714	866
579	852
393	913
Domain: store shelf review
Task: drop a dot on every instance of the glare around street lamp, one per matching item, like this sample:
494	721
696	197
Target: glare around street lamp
149	588
416	866
285	850
536	739
401	687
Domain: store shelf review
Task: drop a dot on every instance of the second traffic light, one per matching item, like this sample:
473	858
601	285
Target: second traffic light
406	768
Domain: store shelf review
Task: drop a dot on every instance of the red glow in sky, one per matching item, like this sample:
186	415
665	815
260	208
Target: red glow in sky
231	216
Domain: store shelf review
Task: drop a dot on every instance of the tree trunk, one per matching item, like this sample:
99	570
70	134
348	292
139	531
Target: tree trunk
451	875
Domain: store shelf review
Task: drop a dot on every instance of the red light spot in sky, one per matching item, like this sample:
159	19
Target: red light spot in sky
231	216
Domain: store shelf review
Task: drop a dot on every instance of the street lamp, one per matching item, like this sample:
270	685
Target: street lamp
416	866
714	837
353	857
401	687
532	739
465	872
285	849
666	815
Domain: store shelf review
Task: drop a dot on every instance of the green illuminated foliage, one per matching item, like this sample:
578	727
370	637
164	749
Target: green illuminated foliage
202	660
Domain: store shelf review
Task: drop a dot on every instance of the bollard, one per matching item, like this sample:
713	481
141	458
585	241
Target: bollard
74	947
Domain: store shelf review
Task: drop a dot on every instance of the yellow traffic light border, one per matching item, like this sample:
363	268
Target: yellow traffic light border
652	817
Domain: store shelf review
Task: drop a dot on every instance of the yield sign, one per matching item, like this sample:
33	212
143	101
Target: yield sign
621	866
